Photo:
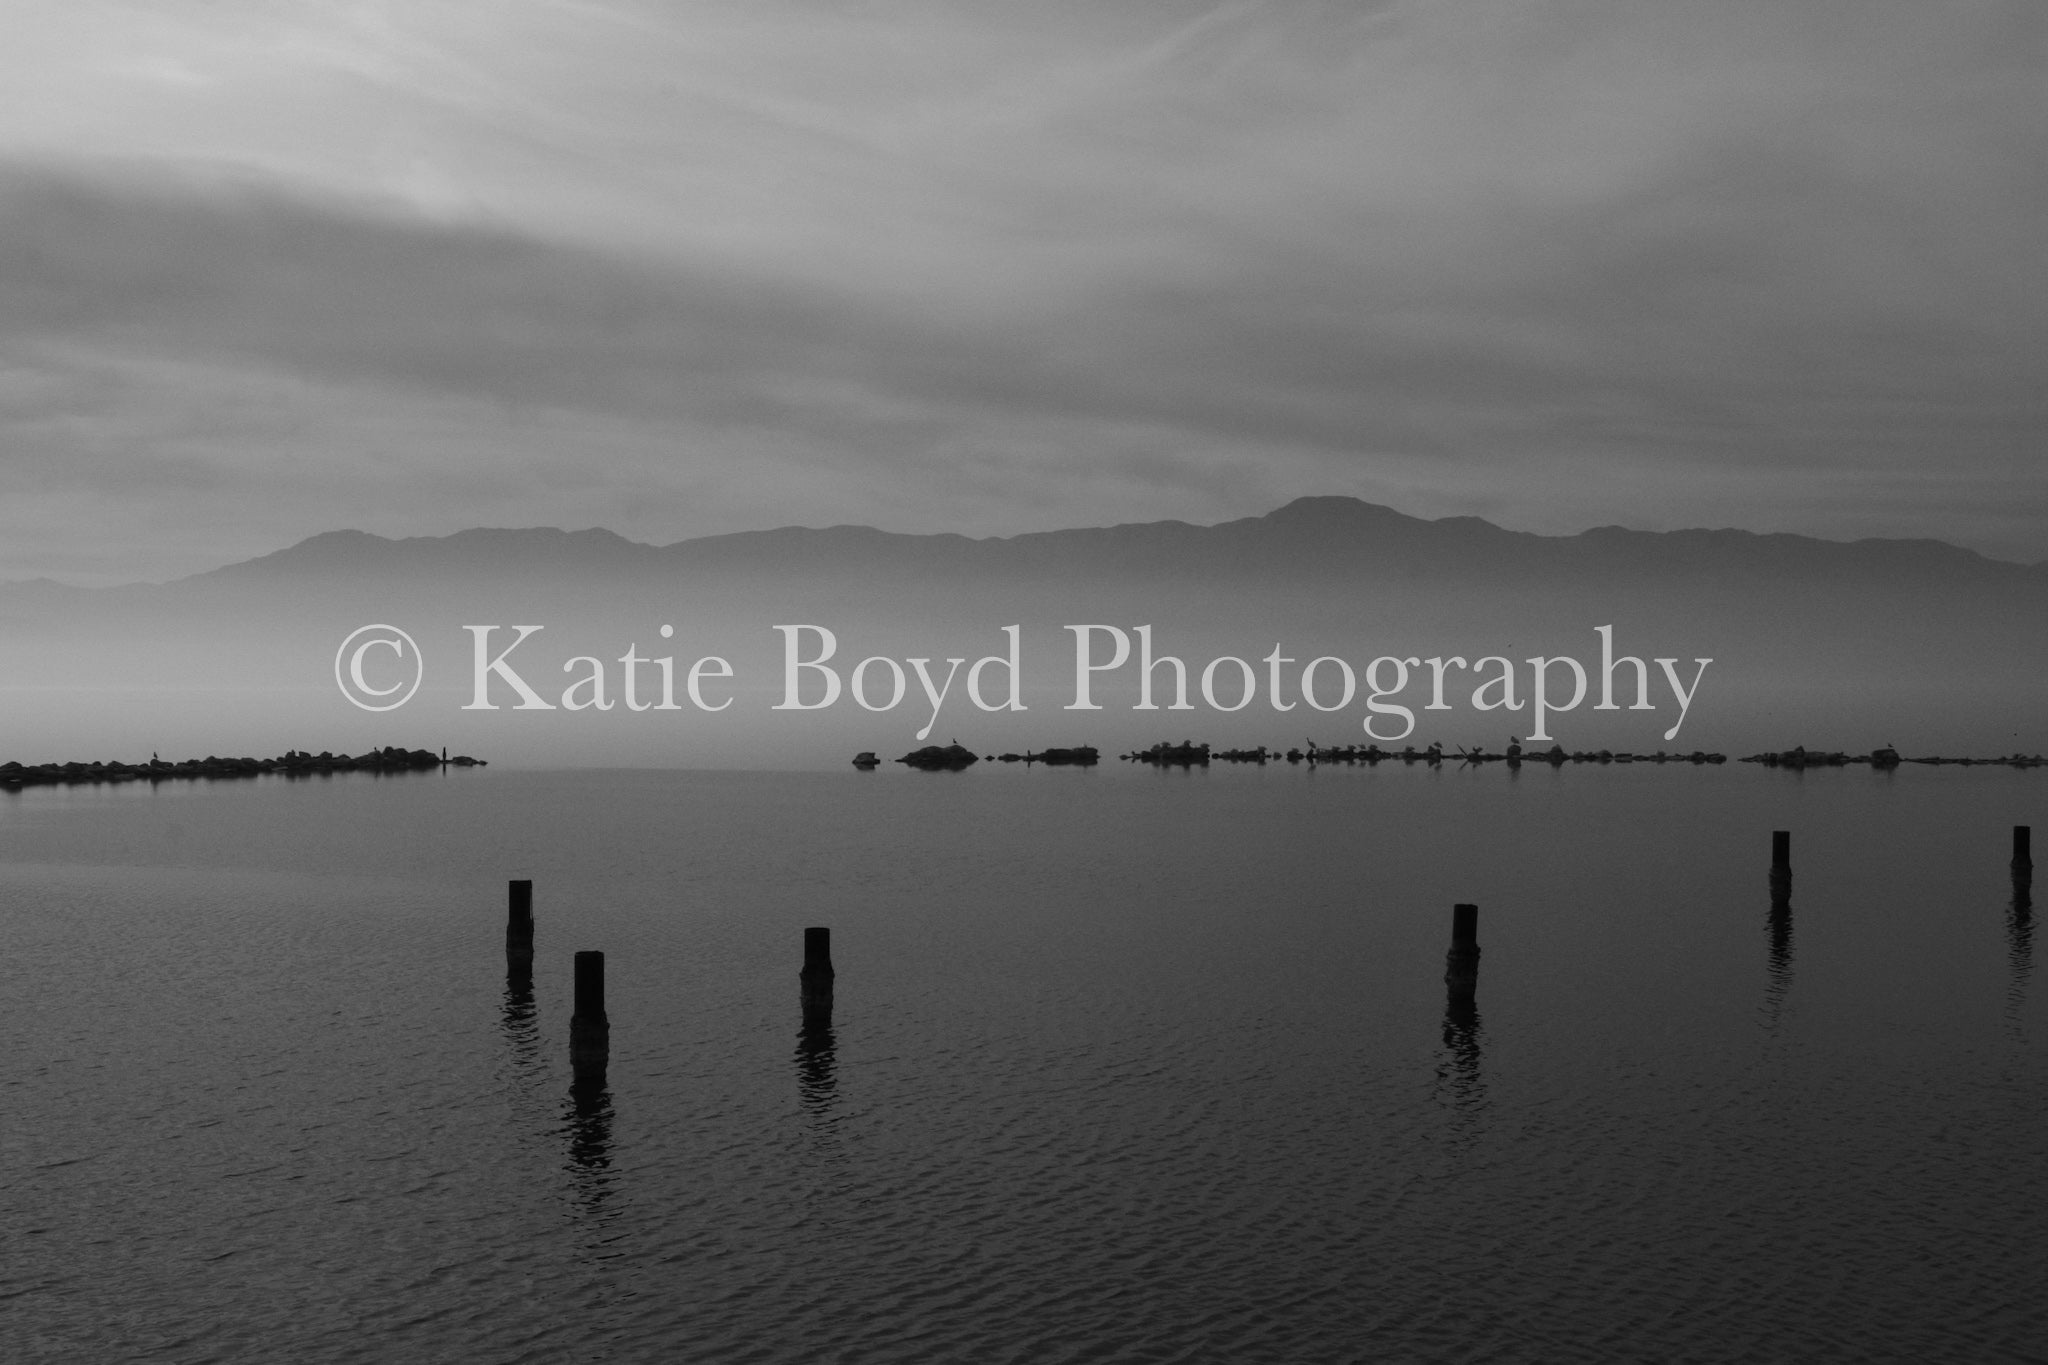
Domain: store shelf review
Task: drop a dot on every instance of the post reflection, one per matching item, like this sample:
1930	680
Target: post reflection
587	1127
2019	941
1778	933
817	1068
1460	1082
519	1022
817	1087
518	1019
585	1122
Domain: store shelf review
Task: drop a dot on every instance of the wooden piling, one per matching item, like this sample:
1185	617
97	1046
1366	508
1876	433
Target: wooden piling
519	923
1781	869
816	977
1461	964
589	1028
2023	848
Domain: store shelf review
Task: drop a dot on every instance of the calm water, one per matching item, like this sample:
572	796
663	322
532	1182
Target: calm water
1124	1065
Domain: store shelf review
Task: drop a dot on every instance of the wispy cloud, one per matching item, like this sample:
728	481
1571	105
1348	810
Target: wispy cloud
680	269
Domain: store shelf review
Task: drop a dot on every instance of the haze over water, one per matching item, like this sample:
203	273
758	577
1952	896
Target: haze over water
1125	1065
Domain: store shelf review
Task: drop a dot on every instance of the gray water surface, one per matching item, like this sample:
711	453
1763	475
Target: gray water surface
1123	1066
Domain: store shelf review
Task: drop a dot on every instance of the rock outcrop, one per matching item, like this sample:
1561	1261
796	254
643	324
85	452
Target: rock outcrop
936	758
294	763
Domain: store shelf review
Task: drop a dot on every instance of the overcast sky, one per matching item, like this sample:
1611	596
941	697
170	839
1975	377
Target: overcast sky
677	268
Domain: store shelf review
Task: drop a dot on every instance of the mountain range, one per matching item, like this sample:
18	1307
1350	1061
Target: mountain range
1813	641
1309	537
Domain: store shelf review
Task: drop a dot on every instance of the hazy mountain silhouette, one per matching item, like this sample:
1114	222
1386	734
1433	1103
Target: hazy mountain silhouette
1313	538
1909	641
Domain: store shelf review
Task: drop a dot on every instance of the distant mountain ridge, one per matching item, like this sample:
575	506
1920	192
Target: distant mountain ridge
1824	643
1312	537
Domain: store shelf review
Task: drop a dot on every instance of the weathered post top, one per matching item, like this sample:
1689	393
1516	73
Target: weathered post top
2023	846
590	988
1781	848
817	954
519	909
1461	963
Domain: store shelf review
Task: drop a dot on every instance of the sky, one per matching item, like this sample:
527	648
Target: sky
675	269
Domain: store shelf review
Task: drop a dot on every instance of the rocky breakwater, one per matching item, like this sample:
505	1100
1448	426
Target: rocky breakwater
1803	757
1185	754
1188	754
1084	757
940	758
292	763
955	756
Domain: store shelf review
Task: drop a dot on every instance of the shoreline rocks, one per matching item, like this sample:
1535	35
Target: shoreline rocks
1086	756
1188	754
1802	757
936	758
293	763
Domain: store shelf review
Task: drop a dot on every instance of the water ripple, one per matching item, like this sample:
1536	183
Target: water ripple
1210	1108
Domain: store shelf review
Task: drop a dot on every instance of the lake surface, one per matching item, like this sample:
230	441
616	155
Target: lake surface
1124	1065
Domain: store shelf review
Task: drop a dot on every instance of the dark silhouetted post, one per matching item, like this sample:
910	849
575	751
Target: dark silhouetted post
816	977
590	1032
815	1068
2022	868
1461	964
1781	868
519	924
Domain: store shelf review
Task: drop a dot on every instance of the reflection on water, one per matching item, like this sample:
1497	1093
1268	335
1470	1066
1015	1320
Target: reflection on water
519	1022
1110	1081
817	1082
1779	928
817	1068
1460	1084
519	1019
2019	941
587	1126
